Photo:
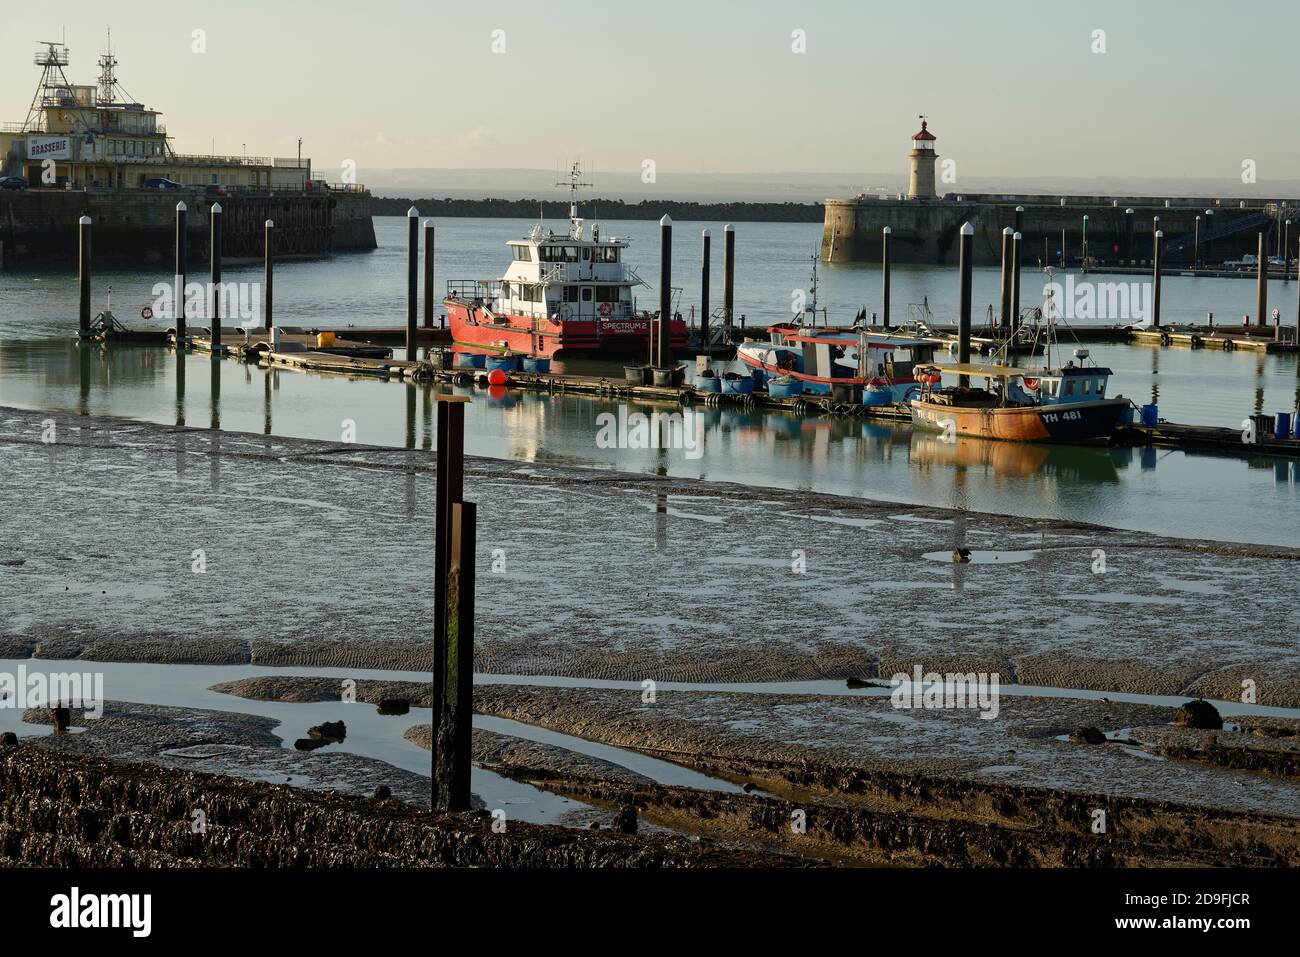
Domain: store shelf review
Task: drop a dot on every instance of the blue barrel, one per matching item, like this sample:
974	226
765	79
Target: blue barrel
738	386
470	360
1150	416
1282	426
1126	417
759	376
875	395
1295	426
537	364
784	387
708	383
504	363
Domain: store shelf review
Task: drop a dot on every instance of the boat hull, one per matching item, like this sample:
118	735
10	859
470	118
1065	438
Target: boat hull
1065	422
476	328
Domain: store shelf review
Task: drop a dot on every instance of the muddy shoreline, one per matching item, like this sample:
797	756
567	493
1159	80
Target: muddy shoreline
139	543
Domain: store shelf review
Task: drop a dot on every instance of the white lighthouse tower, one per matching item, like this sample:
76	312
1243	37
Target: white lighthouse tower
921	183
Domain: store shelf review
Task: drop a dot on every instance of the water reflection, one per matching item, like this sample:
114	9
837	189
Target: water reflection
835	454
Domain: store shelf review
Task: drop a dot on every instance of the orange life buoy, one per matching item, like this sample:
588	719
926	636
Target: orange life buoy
605	309
1031	385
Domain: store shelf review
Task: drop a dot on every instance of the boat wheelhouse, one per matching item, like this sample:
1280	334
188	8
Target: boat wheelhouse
563	294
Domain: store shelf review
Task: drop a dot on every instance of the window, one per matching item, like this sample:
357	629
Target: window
1087	387
607	293
1068	389
586	253
609	254
505	290
586	294
522	254
1101	388
570	254
550	254
570	293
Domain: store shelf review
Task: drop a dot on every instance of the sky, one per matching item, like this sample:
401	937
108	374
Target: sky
1014	89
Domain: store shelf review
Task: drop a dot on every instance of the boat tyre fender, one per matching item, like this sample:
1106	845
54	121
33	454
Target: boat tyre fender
464	379
1229	345
686	398
749	402
1166	339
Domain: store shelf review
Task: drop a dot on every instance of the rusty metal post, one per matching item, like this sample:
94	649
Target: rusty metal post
449	489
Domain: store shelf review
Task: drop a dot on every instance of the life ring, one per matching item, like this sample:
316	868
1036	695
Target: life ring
146	313
1031	385
606	309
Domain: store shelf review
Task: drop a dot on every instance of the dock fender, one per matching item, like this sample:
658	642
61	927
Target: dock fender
1229	345
1166	339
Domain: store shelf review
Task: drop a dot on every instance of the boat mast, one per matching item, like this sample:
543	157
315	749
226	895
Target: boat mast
575	181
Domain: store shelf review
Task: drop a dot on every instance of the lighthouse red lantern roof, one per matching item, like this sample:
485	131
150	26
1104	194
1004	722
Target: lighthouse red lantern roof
925	134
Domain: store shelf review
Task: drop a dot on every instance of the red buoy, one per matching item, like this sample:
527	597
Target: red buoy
497	377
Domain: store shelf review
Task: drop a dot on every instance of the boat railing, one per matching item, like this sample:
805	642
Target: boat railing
473	288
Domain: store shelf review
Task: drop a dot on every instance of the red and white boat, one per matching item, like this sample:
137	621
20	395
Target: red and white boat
564	294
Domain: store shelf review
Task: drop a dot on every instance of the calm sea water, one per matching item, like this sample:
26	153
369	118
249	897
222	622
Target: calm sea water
1167	492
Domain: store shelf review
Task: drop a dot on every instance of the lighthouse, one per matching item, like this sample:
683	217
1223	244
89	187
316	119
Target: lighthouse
921	183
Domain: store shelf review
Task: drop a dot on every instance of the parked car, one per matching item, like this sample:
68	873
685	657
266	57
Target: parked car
12	182
161	182
214	189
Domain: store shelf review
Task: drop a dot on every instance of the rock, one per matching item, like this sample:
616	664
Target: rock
625	822
1087	736
961	555
1199	714
309	744
857	683
747	787
394	705
62	718
8	739
594	826
383	792
330	731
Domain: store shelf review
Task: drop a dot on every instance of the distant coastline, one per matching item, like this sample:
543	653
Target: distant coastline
604	209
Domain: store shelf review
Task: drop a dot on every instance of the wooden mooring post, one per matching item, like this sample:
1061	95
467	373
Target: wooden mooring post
268	274
884	274
453	631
